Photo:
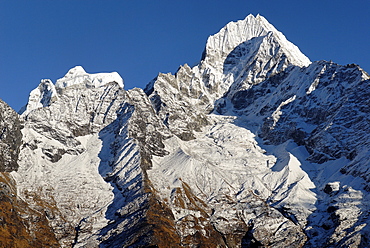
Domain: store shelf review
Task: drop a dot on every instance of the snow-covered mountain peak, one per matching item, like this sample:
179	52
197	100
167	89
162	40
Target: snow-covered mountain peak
241	54
233	34
75	71
78	75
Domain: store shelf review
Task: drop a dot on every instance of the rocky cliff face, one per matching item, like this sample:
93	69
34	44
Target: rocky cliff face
254	146
10	138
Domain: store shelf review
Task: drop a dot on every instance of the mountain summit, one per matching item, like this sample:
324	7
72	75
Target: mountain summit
253	146
251	28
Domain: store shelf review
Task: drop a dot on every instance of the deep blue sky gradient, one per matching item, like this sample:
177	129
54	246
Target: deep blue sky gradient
138	39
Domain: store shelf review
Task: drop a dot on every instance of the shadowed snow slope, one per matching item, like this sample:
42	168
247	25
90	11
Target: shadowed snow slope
254	146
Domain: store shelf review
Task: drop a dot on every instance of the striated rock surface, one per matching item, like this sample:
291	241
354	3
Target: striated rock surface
10	138
253	147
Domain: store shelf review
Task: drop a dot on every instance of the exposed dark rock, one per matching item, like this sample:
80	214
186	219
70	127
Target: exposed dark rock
331	187
10	138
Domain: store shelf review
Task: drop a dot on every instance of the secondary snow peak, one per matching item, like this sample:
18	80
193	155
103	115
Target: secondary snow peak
47	93
78	75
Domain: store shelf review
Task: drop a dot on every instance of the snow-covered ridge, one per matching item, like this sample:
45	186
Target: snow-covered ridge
77	75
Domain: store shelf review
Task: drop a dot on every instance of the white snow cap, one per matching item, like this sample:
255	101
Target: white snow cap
78	75
235	33
75	71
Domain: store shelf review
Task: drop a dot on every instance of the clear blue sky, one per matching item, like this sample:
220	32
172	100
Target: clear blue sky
45	38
